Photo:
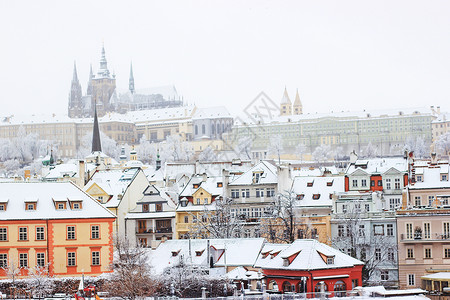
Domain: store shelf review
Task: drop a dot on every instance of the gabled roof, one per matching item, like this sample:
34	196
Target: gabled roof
210	185
46	193
268	176
323	186
309	257
378	165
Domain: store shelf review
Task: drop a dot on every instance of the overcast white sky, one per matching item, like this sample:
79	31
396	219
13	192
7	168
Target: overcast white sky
341	55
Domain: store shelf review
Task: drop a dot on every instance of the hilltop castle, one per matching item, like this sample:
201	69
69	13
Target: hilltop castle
102	92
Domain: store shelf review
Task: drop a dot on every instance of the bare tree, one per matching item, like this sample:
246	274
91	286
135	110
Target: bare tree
300	149
217	223
375	250
131	277
370	151
244	147
13	272
322	153
416	145
146	151
276	146
207	154
40	283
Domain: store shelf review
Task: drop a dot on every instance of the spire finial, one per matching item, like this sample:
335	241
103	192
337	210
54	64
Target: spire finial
75	75
96	143
131	80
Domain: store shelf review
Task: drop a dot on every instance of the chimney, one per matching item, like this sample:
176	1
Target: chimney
204	177
81	173
438	110
225	177
433	158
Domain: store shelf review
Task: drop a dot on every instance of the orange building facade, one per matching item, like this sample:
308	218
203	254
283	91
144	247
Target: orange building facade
56	226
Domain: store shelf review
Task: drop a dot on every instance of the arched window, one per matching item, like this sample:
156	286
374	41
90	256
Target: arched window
203	129
218	128
302	286
339	288
196	129
213	129
317	289
286	287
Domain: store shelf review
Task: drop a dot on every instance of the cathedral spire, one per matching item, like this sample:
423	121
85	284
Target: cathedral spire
103	71
75	75
96	143
298	107
131	81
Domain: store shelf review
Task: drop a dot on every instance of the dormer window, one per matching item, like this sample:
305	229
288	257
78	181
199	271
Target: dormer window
310	184
285	262
219	184
257	176
419	178
316	196
330	183
175	253
300	196
199	252
60	205
2	207
330	260
195	185
75	205
145	207
30	206
444	177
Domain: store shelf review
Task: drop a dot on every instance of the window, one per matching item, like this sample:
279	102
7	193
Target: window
419	178
186	219
40	234
341	230
384	275
205	200
430	200
330	260
361	230
411	279
355	182
95	232
426	230
394	203
61	205
3	260
410	253
378	229
397	185
427	252
40	259
316	196
380	182
390	254
30	206
145	207
70	232
158	207
259	193
71	259
446	230
447	253
23	233
23	260
95	258
234	193
377	254
417	201
300	196
363	182
444	177
367	207
344	208
409	231
198	200
372	183
270	192
388	183
3	234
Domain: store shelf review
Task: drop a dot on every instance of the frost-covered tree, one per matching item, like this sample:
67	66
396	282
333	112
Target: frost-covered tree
339	153
416	145
244	147
322	153
207	155
12	272
39	282
173	150
276	146
109	146
146	151
370	151
131	277
443	144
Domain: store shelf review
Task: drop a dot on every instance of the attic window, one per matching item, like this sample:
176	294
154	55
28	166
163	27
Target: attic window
289	259
331	196
195	185
145	207
30	205
419	178
310	184
257	176
330	183
76	205
274	254
330	260
300	196
316	196
265	254
60	205
2	207
199	252
219	184
175	253
444	177
285	262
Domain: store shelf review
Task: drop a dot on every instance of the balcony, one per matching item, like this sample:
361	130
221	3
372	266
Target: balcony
144	230
163	230
420	238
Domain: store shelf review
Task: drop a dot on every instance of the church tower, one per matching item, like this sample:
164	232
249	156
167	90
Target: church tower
75	102
298	107
131	80
285	105
103	87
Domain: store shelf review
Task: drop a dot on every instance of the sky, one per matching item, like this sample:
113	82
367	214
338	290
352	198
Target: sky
340	55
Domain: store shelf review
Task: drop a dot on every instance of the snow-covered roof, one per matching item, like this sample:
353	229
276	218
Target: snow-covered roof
209	184
267	171
442	118
151	215
378	165
167	91
343	115
311	171
46	194
241	273
238	252
440	275
68	169
431	177
310	187
211	113
309	255
113	183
